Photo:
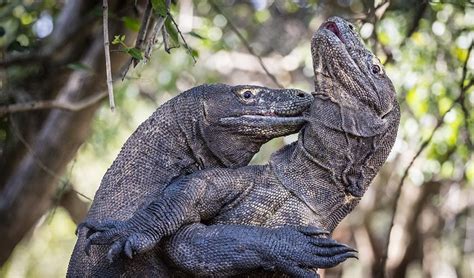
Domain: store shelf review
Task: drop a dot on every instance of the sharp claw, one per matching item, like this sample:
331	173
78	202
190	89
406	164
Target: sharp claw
114	251
353	255
331	251
110	256
128	249
325	242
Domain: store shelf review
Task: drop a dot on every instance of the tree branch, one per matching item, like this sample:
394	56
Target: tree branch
108	70
51	104
245	43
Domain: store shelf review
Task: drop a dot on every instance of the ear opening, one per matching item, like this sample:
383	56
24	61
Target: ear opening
356	121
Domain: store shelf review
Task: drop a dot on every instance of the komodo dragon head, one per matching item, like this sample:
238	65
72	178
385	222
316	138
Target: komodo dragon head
347	71
236	124
354	119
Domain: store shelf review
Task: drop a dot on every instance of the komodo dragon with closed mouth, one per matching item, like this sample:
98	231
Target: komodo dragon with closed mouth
207	126
316	181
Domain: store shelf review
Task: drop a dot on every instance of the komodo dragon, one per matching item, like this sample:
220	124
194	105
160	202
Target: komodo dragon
207	126
316	181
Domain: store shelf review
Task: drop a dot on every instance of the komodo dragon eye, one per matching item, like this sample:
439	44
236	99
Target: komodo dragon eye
375	69
247	94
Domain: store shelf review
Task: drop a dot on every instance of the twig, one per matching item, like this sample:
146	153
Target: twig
463	88
108	70
182	37
245	43
165	41
143	30
140	39
153	36
50	104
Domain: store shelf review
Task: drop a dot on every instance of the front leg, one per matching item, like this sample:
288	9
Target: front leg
225	250
185	201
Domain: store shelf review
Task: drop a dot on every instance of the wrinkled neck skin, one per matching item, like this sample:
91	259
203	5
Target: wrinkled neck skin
313	167
329	169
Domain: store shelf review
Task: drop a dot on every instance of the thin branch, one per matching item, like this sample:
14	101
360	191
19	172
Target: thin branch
143	30
245	43
182	37
152	38
51	104
165	40
463	88
147	36
108	70
140	39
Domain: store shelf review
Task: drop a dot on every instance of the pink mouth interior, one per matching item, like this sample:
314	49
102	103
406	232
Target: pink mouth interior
331	26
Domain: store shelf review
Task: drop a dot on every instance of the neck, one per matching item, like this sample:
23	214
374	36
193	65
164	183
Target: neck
315	184
190	120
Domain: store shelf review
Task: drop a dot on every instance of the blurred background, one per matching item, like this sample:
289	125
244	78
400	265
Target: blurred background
57	139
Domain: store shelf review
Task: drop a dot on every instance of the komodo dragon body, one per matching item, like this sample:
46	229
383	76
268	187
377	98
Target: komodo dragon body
207	126
316	181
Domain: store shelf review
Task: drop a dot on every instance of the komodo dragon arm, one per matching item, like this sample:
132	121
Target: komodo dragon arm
226	250
200	197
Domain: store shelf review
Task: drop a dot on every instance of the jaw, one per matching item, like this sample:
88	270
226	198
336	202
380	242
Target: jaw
263	127
259	121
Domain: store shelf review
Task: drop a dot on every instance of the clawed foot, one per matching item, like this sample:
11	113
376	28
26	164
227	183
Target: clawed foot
120	235
303	249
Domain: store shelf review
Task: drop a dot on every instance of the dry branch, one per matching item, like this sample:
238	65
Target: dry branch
108	70
51	104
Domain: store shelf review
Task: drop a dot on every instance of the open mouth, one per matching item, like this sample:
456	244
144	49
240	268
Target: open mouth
332	26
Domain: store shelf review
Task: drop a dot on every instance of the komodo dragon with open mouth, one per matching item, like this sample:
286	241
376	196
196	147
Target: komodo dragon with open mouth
316	181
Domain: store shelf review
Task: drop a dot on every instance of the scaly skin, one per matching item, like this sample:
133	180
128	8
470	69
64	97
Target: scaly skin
351	127
207	126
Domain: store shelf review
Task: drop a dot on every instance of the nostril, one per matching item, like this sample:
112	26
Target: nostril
301	94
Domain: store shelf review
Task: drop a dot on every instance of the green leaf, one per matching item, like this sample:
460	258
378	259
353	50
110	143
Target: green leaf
131	23
172	32
194	53
159	7
196	35
78	66
118	39
135	53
